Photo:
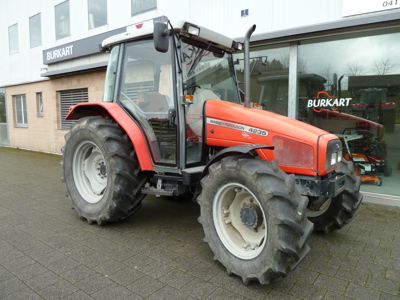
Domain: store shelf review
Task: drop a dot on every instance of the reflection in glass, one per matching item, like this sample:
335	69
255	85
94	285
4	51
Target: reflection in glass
13	39
351	87
3	115
97	13
269	77
141	6
35	31
62	20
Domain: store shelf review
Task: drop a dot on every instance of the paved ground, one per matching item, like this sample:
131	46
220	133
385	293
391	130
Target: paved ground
47	252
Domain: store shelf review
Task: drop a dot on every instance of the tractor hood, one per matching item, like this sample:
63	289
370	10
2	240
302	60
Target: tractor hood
298	145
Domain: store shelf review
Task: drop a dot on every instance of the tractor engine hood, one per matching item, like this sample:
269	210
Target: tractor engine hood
299	147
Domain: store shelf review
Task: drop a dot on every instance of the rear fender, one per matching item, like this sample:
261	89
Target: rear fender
113	110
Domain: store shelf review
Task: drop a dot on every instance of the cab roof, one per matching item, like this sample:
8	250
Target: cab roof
181	27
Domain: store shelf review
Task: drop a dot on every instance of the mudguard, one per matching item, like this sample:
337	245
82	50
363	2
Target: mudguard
131	128
236	150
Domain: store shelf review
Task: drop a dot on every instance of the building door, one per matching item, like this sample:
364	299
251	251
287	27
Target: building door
4	140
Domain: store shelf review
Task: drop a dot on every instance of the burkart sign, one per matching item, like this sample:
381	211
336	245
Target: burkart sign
324	100
63	52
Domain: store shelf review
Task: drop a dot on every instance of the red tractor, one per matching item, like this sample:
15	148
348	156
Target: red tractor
373	105
172	123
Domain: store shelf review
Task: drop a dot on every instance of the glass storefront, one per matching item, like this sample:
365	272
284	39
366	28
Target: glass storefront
347	84
355	93
269	77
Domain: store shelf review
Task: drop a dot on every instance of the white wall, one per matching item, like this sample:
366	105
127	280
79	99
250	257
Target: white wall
220	15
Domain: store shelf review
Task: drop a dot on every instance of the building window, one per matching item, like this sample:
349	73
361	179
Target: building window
62	20
35	31
141	6
21	118
13	39
39	104
97	13
67	99
3	114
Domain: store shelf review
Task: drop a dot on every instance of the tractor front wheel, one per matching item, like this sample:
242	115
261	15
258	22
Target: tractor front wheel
253	218
101	171
330	214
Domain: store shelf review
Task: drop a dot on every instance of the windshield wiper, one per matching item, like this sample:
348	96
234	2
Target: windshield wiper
197	59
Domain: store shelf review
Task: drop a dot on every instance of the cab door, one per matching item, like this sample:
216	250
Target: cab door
146	91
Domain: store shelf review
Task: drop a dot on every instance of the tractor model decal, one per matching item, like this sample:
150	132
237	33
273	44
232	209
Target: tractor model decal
236	126
329	101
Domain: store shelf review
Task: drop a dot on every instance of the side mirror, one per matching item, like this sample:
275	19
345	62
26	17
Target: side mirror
160	34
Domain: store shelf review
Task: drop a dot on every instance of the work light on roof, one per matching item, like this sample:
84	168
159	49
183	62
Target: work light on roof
193	30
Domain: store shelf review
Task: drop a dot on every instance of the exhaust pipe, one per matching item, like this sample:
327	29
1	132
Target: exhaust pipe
247	66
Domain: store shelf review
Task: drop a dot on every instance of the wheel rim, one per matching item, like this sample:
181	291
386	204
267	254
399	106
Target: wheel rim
318	211
90	172
239	221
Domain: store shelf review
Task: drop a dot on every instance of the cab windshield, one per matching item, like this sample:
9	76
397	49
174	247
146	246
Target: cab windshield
203	69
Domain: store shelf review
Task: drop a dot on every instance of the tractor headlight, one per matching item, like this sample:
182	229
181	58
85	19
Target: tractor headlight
333	154
336	158
193	30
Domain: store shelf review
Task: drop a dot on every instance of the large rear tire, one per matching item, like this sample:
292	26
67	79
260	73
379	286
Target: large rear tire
254	219
333	213
101	171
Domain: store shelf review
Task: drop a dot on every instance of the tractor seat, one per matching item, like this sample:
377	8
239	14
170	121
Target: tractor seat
152	102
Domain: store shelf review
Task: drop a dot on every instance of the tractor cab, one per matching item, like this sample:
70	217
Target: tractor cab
164	78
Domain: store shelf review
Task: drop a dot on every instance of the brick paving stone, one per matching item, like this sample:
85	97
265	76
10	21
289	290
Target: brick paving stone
389	297
145	286
168	293
351	275
304	275
308	291
333	296
278	295
156	269
42	281
254	291
93	283
324	268
199	288
385	285
206	271
126	276
331	283
221	294
113	291
77	273
226	282
58	290
361	292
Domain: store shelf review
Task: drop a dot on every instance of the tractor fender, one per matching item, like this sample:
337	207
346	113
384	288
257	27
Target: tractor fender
246	149
113	110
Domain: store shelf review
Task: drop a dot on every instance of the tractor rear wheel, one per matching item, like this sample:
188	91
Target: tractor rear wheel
254	219
101	171
333	213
